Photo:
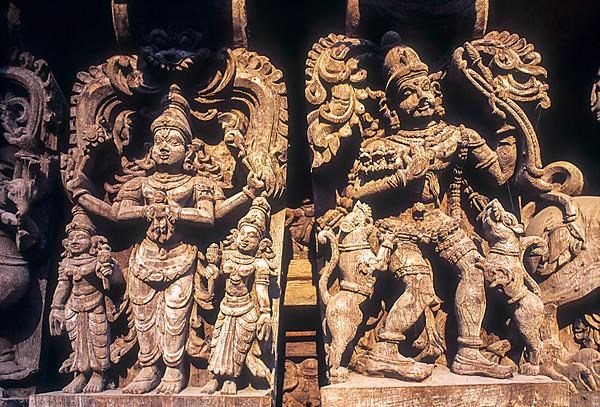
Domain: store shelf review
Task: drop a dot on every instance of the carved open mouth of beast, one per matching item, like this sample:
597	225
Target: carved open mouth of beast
171	51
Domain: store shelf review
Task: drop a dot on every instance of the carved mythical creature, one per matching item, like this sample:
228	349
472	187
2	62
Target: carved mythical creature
419	173
504	269
351	252
82	305
245	313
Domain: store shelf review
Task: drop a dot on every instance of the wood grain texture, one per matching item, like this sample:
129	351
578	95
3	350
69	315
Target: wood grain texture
444	388
188	398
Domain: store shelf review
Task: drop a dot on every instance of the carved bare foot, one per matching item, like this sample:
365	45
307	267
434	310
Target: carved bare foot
339	375
172	382
146	380
96	384
229	387
529	369
77	385
210	387
471	362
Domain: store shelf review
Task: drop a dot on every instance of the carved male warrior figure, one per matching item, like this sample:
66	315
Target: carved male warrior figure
162	265
413	168
82	304
245	311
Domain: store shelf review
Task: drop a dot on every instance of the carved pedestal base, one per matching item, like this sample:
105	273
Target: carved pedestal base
187	398
444	388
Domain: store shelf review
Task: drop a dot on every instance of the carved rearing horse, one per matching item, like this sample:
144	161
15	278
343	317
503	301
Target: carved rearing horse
352	253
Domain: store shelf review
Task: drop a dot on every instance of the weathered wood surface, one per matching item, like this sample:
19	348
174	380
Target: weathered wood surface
444	388
187	398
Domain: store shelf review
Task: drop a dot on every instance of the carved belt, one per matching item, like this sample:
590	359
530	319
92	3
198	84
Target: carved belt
355	288
236	306
350	247
505	252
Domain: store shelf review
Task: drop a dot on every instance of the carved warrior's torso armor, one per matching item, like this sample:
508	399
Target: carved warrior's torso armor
440	144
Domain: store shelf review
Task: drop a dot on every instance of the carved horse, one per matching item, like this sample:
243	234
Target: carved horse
351	253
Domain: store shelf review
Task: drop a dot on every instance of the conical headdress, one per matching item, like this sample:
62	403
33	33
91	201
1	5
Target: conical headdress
175	114
401	62
80	221
258	215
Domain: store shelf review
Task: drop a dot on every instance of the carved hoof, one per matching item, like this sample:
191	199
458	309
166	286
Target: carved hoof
529	369
480	367
339	375
398	368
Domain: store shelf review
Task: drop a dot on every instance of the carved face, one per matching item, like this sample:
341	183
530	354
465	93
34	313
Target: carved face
340	99
416	97
169	148
248	239
78	242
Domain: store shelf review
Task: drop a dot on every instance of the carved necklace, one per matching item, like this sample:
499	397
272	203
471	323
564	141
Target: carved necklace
242	259
430	135
167	182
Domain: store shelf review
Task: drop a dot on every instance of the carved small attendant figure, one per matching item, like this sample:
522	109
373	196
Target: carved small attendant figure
204	295
245	311
161	267
86	274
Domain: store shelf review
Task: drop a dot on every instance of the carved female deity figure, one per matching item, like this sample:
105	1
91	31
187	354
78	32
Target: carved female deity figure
79	306
162	265
245	311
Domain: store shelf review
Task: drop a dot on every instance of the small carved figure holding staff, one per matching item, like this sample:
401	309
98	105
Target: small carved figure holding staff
81	304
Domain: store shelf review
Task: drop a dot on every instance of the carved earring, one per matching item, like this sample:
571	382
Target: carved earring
188	162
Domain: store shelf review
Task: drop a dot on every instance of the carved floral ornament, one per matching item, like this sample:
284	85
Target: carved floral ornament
180	141
410	198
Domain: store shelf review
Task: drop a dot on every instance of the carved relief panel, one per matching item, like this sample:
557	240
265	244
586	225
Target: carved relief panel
410	225
32	119
176	169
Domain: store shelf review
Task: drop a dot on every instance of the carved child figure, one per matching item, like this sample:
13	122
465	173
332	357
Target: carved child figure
503	268
81	305
204	295
245	311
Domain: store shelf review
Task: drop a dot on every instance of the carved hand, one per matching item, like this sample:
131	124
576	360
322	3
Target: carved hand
9	218
78	185
57	321
263	327
417	167
255	183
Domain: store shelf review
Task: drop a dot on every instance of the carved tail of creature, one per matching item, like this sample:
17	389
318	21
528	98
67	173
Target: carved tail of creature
323	237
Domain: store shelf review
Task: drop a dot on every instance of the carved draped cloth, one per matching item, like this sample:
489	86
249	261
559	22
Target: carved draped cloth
85	319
